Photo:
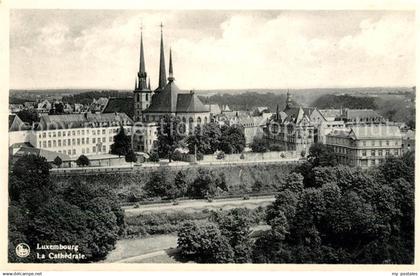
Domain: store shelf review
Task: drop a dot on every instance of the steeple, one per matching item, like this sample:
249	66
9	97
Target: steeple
142	85
171	70
162	70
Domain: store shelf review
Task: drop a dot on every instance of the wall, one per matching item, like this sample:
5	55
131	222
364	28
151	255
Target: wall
252	156
239	178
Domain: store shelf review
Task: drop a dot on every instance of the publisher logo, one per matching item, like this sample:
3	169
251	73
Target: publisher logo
22	250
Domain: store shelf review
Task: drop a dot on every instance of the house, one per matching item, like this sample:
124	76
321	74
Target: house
365	145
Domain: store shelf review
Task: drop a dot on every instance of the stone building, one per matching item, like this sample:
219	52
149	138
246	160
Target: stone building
365	146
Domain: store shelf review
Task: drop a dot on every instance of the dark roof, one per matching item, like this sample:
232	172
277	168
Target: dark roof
166	100
171	100
49	155
361	113
190	103
16	124
120	105
67	121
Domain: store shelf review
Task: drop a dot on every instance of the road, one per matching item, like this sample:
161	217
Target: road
198	205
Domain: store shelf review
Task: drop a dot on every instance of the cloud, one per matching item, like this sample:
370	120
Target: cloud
223	50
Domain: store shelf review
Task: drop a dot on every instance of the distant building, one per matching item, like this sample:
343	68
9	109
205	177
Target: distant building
120	105
18	130
408	141
44	106
214	109
292	128
325	121
76	134
167	100
365	146
361	116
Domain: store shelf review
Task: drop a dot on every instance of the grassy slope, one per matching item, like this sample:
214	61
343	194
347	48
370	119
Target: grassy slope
238	177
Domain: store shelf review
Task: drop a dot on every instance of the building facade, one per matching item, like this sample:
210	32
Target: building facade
365	146
291	128
77	134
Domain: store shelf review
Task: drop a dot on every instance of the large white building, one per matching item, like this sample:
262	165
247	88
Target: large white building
365	146
74	134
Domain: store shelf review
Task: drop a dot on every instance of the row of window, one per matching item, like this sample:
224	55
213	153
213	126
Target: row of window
95	149
73	141
64	133
380	152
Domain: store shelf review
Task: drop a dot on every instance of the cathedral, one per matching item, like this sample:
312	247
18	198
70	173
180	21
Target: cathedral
167	99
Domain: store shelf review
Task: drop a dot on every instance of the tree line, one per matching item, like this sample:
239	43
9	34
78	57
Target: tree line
323	213
40	212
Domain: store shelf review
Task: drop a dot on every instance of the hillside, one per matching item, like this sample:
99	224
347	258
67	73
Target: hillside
240	178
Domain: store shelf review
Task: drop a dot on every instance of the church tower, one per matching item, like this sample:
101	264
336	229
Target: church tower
142	92
162	69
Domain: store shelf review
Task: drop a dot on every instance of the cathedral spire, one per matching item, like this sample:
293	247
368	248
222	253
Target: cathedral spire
171	70
142	75
162	70
142	67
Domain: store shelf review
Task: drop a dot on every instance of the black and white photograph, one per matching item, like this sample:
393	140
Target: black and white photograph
211	136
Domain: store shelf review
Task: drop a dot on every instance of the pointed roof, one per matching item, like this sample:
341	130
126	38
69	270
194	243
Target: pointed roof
162	70
171	70
142	75
142	66
190	103
165	100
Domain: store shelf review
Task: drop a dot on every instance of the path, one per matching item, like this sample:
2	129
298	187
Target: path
197	205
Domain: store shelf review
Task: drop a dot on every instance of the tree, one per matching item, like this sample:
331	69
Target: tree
232	139
131	157
321	155
29	116
205	139
204	243
57	161
83	161
153	156
122	143
259	145
235	226
170	136
159	185
206	185
181	184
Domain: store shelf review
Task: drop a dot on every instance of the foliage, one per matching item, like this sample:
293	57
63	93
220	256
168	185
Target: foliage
83	161
153	156
321	155
29	116
259	145
88	96
171	131
130	157
206	185
235	226
220	155
122	143
57	161
346	216
204	243
344	101
199	156
80	213
232	139
205	139
178	156
276	147
57	109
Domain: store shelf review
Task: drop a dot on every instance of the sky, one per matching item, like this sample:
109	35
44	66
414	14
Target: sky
270	49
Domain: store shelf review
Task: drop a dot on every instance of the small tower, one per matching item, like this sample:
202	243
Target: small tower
142	93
